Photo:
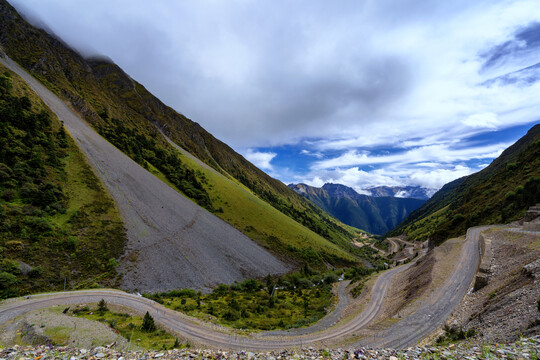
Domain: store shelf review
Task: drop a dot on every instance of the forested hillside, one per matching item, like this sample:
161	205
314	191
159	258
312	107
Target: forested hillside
58	226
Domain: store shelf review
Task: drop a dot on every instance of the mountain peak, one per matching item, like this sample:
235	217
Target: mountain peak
373	214
408	191
340	190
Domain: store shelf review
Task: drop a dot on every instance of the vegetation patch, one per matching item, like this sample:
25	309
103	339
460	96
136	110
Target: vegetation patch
58	227
290	301
142	332
454	334
145	149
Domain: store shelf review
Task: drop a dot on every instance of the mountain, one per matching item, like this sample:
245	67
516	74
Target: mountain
414	192
180	153
57	222
376	215
500	193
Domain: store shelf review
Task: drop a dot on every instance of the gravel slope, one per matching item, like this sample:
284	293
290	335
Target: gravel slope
174	242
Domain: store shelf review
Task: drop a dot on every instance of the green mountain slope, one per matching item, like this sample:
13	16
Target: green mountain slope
58	226
376	215
127	115
498	194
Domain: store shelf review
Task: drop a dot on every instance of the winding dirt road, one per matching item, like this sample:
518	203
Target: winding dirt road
432	314
208	335
407	332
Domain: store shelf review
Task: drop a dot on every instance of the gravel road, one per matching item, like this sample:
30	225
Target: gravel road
433	313
208	335
405	333
176	243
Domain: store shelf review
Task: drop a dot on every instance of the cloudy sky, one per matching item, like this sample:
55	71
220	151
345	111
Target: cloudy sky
364	93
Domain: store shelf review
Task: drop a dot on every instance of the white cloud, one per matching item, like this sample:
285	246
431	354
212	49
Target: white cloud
339	80
435	179
484	120
260	159
351	74
316	154
428	177
429	154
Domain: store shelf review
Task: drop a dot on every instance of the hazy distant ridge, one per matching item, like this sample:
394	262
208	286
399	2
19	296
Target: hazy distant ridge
375	214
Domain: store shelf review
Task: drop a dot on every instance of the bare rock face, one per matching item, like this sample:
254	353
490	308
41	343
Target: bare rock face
532	269
532	225
532	214
480	281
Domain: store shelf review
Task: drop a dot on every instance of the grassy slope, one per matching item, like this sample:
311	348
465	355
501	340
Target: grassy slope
262	222
95	88
498	194
129	326
74	238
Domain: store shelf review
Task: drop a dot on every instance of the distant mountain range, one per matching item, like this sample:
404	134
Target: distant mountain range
374	214
415	192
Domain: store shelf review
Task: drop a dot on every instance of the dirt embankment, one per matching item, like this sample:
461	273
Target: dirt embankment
412	287
507	307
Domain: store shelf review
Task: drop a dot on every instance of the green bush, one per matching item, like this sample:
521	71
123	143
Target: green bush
35	272
6	280
511	166
510	195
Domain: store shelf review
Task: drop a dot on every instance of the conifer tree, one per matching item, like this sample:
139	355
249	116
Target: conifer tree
148	324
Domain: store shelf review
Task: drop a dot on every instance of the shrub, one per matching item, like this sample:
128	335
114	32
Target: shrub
330	278
180	293
35	272
231	315
511	166
510	195
112	264
10	266
6	280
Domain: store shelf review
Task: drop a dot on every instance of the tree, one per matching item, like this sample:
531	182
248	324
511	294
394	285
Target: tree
269	285
102	306
148	324
199	300
306	306
271	302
